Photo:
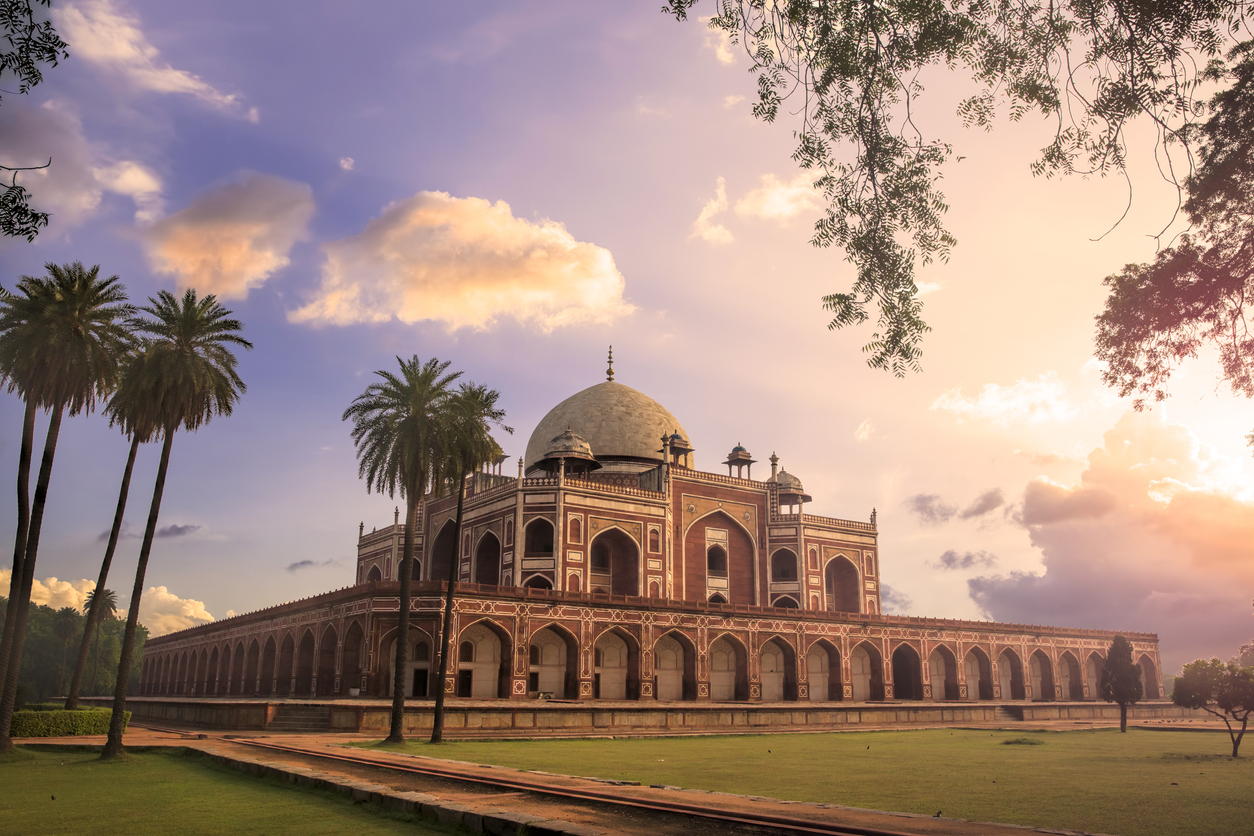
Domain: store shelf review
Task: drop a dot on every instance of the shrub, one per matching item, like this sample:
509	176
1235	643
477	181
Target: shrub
61	723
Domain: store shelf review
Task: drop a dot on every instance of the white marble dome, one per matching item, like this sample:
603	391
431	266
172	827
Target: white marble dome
616	421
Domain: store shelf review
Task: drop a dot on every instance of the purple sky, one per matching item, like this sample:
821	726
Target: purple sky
513	187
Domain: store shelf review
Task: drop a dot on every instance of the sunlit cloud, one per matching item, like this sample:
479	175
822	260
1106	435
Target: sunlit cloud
53	592
732	101
780	200
232	239
1026	401
102	34
704	226
161	611
719	41
465	262
347	163
863	432
137	182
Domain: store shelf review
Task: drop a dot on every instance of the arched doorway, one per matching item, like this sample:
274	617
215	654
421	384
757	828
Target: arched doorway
907	674
538	538
675	666
267	668
1149	678
866	673
823	672
553	664
237	669
305	665
729	670
720	557
480	658
252	666
374	575
211	684
538	582
616	668
351	663
224	670
783	566
420	667
1042	677
1094	666
778	669
943	671
1010	675
1069	683
614	564
443	552
979	675
488	560
287	657
180	679
326	661
202	667
840	582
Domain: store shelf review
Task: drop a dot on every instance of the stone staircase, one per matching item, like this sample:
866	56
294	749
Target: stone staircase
292	718
1010	713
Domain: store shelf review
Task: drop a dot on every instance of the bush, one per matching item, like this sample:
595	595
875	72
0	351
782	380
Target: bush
61	723
41	706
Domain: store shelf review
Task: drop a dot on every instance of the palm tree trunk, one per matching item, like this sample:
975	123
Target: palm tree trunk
437	719
93	614
113	747
28	580
19	541
399	667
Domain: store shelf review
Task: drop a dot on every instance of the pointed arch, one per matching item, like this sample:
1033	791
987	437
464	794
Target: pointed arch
538	581
354	652
538	537
1010	675
1042	671
553	665
1093	667
740	581
786	602
675	667
943	673
327	645
237	670
1149	677
374	574
211	675
907	673
866	672
616	666
729	668
488	676
487	560
287	659
268	654
979	673
615	562
1070	683
777	660
842	586
823	672
783	566
443	553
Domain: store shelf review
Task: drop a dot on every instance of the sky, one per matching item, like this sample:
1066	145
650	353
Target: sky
514	187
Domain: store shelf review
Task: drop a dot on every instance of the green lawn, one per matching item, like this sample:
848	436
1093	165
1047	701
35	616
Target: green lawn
43	792
1143	782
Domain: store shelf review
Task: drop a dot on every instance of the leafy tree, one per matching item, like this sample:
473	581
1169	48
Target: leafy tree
185	372
853	71
399	425
467	446
104	602
1121	679
27	40
65	627
1224	689
127	409
62	340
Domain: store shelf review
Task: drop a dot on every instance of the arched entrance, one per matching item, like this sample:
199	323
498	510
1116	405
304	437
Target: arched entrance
729	670
420	667
1149	678
943	671
675	668
211	684
443	552
866	673
840	583
979	675
351	663
287	656
481	668
778	668
553	664
907	674
488	560
614	564
720	557
267	667
305	665
1010	675
1069	681
326	662
374	575
823	672
237	669
1094	666
1042	671
616	668
538	538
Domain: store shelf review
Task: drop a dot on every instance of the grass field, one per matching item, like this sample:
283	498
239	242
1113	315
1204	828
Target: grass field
45	792
1143	783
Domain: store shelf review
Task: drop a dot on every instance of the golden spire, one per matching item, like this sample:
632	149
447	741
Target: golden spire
609	372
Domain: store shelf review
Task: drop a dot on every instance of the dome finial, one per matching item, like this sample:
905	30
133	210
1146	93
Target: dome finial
609	372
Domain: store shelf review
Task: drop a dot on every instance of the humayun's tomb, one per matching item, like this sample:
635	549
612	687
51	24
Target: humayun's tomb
612	572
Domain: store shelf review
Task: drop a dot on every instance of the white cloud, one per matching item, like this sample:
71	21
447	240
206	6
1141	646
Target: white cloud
231	613
1027	401
732	101
704	228
100	33
928	287
465	262
71	187
780	200
53	592
161	611
863	432
719	41
347	163
234	238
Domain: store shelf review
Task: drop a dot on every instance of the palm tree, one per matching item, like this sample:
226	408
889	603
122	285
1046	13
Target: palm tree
468	445
62	340
185	374
64	626
104	602
398	427
134	417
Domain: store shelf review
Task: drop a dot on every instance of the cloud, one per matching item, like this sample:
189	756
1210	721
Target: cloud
53	592
231	613
309	564
719	41
894	602
1149	539
177	530
952	559
1028	401
234	238
465	262
347	163
930	508
161	611
703	228
990	500
863	432
71	188
98	32
780	200
732	101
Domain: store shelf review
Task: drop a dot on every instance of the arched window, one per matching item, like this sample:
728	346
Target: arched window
786	602
576	530
784	566
375	575
466	652
716	562
717	599
538	582
655	540
387	568
539	537
422	652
